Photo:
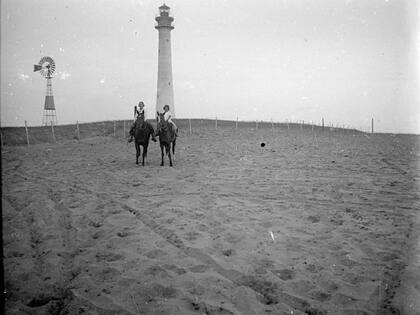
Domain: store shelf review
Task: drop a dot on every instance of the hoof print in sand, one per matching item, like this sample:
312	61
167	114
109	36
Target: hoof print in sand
122	233
314	311
192	236
266	263
337	221
108	256
199	268
98	234
353	278
344	300
50	304
156	253
284	274
96	223
106	291
313	268
314	219
39	301
105	274
14	254
205	308
157	270
203	227
361	312
387	256
320	296
260	270
228	252
153	292
176	269
348	262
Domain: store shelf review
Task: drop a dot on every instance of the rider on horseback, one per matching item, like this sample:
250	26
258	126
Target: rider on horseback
139	111
168	117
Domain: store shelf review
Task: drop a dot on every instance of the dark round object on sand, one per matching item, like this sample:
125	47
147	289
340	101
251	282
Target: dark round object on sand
262	144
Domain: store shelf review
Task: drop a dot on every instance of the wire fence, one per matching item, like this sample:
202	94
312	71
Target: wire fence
30	135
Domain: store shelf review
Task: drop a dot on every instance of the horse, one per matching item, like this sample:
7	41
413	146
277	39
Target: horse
167	137
142	132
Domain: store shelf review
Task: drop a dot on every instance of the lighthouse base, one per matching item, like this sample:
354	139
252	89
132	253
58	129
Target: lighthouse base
49	117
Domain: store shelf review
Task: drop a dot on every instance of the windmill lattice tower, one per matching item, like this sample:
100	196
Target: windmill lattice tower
46	67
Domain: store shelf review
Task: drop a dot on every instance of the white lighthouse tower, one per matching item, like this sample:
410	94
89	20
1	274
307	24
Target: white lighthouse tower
165	91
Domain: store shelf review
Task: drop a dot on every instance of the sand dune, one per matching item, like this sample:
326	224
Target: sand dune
308	224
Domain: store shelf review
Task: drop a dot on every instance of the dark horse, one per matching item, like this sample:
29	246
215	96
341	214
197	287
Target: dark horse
167	137
142	132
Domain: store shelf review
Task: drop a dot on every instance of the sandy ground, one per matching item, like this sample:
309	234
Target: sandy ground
309	224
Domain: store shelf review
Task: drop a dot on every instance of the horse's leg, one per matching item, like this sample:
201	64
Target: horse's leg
152	133
161	151
144	152
173	147
137	152
168	152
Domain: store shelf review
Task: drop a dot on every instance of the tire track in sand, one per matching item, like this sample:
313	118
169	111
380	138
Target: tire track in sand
268	292
49	222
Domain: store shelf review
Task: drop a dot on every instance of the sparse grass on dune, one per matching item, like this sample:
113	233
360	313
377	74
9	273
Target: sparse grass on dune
43	134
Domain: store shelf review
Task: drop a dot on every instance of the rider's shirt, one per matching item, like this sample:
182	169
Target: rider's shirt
140	111
167	116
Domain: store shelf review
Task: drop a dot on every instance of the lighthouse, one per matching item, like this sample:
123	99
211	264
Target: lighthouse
165	91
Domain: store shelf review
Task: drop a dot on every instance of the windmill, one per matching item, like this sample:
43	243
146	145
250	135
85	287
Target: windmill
46	67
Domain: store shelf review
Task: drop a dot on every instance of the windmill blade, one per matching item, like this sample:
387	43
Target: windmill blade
46	67
37	68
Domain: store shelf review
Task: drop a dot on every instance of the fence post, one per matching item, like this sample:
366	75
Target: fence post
78	130
216	123
114	128
124	129
52	130
372	125
322	123
27	135
189	121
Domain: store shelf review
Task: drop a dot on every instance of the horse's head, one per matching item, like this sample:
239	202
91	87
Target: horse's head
162	124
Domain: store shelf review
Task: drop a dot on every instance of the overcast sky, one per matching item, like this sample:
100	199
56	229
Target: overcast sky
346	61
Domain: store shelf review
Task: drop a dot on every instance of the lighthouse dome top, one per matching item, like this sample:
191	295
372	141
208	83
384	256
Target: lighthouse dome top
164	21
164	7
164	10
